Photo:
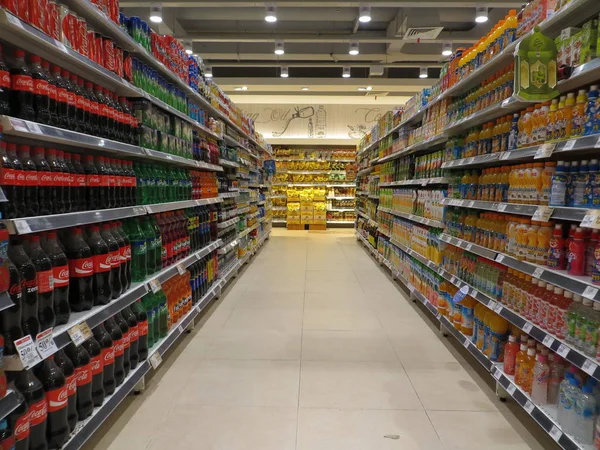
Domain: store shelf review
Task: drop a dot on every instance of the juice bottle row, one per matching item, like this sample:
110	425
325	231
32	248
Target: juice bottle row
491	137
424	203
424	240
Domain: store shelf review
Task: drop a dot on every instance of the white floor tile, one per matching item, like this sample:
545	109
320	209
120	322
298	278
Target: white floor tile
346	346
253	344
340	319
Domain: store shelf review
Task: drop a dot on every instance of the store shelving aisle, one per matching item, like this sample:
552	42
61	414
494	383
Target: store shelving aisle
314	347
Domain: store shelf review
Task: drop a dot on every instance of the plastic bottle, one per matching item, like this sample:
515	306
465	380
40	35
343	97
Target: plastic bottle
559	127
585	415
591	183
520	358
566	404
557	372
540	379
551	124
558	190
556	255
580	181
572	175
591	335
510	355
526	369
572	317
591	111
579	116
576	256
581	324
568	115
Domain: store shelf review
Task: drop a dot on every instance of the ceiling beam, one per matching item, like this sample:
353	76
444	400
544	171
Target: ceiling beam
321	64
341	58
326	4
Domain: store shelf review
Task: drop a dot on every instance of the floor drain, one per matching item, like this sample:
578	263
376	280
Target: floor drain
392	436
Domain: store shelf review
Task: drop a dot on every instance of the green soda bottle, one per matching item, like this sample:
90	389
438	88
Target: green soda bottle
139	250
147	304
157	242
148	231
163	314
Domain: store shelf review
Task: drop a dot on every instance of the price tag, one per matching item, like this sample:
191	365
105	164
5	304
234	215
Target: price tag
466	343
542	213
555	433
469	160
589	367
18	124
499	258
590	292
511	389
537	272
497	374
411	288
154	285
79	333
27	352
468	247
181	269
548	341
498	308
569	145
15	21
529	406
545	151
453	279
501	207
155	360
527	327
22	226
45	343
563	350
424	183
504	156
474	292
491	304
591	219
34	128
470	204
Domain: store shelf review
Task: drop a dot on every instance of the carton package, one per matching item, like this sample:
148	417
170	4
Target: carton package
589	42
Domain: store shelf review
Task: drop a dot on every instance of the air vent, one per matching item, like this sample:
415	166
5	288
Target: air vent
422	33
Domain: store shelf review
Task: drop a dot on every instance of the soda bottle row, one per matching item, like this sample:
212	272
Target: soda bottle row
53	96
576	183
160	184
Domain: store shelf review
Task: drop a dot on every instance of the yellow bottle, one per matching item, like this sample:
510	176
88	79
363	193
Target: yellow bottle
526	369
543	122
532	242
560	124
551	123
537	183
544	235
497	337
521	357
535	124
568	114
579	116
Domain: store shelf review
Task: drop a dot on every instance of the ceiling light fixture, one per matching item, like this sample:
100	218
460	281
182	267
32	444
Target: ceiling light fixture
423	72
304	89
364	14
271	13
279	48
188	48
346	72
156	13
353	48
284	72
237	89
368	88
447	49
208	72
481	15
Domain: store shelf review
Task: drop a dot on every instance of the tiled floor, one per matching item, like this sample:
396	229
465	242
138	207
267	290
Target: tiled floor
315	348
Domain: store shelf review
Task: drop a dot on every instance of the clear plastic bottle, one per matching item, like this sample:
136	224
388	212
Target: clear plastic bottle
566	405
557	373
541	377
572	317
585	415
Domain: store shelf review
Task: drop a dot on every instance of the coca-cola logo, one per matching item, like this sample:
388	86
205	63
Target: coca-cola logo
22	83
31	177
38	413
28	284
93	179
63	96
22	427
72	384
8	175
63	396
4	79
46	178
96	365
128	252
109	356
83	375
14	289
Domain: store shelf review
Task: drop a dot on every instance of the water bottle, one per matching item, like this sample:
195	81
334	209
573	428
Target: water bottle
566	403
585	415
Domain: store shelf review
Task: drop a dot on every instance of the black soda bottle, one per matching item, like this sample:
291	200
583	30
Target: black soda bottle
45	178
57	188
63	110
52	94
79	188
71	99
60	276
4	86
83	374
29	289
122	324
115	260
35	398
10	318
108	358
92	182
21	98
142	323
41	91
81	271
133	336
72	188
60	158
102	268
94	350
116	335
45	282
104	191
94	112
8	179
68	369
32	207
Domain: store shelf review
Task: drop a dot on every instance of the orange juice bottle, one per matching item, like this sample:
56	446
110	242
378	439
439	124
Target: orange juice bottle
503	185
526	369
527	184
521	184
511	247
521	357
535	123
568	114
536	183
442	305
551	123
497	337
522	227
559	123
525	128
546	182
579	116
543	122
512	24
543	242
532	241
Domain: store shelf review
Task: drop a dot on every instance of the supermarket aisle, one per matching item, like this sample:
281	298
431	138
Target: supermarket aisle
314	348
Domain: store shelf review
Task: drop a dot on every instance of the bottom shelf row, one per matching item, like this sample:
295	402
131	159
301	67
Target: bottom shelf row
560	403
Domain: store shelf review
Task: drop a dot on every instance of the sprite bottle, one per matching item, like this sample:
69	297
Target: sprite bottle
139	250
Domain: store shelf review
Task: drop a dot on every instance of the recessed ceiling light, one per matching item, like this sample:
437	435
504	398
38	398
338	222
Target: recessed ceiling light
156	13
423	72
364	14
271	13
353	48
284	72
279	48
368	88
447	49
244	88
481	14
304	89
346	72
237	89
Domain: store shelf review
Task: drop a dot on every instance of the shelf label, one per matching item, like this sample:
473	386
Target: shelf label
468	247
15	21
154	285
498	374
27	352
45	343
470	204
181	269
545	151
453	279
569	145
155	360
504	156
474	292
563	350
590	292
492	304
527	327
424	183
22	226
34	128
589	367
180	328
80	333
498	308
466	343
537	272
529	407
502	207
499	258
511	389
542	213
18	124
555	433
591	219
548	341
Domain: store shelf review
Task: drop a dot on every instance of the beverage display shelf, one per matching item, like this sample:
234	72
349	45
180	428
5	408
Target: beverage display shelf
576	284
492	112
366	216
575	145
373	197
228	247
384	232
365	241
243	210
279	221
99	314
415	182
314	160
340	198
248	230
313	172
229	194
171	206
46	134
279	208
341	222
340	209
559	212
427	144
8	403
374	162
227	163
86	428
228	223
366	171
560	346
545	416
414	218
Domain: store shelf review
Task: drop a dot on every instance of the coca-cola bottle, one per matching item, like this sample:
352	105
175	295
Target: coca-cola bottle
4	86
86	105
45	178
60	276
112	183
81	271
112	122
81	114
66	178
7	440
124	256
33	391
18	421
10	318
57	187
71	99
94	109
32	207
118	177
104	191
68	369
19	189
55	387
117	336
134	335
122	323
52	94
127	125
83	374
132	183
75	201
95	351
79	183
62	99
142	321
104	123
45	282
29	289
92	181
102	269
8	179
118	113
21	98
115	260
41	100
108	358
